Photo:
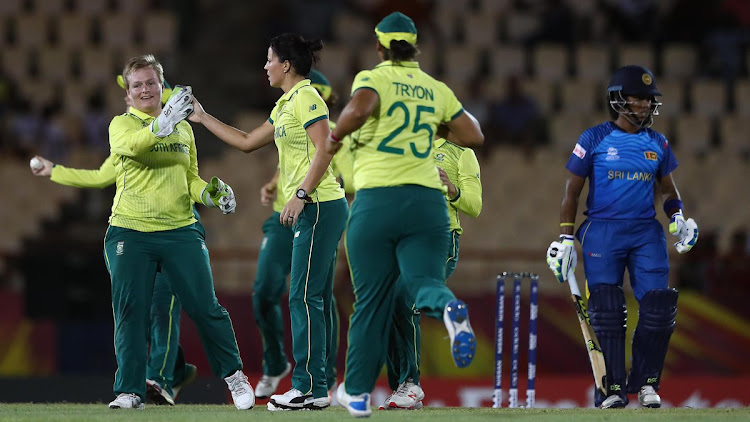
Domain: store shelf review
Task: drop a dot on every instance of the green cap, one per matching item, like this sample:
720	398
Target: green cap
398	27
320	82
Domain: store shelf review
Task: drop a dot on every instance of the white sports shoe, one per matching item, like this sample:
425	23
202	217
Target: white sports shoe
407	396
295	400
242	392
648	397
127	401
613	402
157	395
358	406
463	342
268	384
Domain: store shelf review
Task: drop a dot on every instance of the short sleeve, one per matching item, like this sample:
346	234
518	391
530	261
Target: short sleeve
668	161
580	162
364	79
452	107
309	107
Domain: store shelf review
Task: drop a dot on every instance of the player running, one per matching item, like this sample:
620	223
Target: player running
399	222
459	173
623	160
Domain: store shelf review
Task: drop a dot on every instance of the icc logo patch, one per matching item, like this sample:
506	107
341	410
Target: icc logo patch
651	155
120	248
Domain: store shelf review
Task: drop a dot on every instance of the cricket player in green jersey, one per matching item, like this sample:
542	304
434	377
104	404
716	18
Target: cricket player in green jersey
459	173
274	265
153	228
315	208
399	224
167	372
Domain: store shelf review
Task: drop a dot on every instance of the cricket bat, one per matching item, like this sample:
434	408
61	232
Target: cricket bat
596	357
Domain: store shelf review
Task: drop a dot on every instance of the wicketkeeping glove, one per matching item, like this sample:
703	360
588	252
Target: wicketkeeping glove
686	230
219	194
562	257
178	107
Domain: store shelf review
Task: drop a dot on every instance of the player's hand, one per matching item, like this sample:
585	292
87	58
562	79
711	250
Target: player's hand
686	230
178	107
268	194
332	146
452	190
562	257
46	170
219	194
292	210
198	112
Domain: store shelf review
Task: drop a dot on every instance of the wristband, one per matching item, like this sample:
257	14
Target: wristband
458	195
672	204
333	138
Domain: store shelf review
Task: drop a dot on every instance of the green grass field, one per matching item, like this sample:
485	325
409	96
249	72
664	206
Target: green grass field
209	413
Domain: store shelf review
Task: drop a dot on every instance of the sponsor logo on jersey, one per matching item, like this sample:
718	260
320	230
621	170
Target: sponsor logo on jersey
313	107
439	156
120	248
595	254
651	155
612	154
579	151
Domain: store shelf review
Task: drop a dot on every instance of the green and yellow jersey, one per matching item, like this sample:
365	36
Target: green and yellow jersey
343	163
157	178
294	112
394	146
81	178
462	168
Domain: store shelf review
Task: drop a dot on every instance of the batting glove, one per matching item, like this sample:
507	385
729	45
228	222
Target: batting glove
219	194
686	230
562	257
178	107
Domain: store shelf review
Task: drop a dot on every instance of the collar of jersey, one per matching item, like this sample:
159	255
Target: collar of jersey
288	95
139	114
399	64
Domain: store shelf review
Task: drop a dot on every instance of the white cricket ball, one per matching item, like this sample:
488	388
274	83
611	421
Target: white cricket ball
36	164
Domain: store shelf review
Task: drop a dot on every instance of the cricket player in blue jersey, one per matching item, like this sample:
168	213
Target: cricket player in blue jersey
623	159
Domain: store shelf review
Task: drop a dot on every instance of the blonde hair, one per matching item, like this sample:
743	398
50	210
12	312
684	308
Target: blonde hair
140	62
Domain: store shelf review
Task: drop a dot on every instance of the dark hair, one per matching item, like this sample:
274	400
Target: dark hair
400	51
301	53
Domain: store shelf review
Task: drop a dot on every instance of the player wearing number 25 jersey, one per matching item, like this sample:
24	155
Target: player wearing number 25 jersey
399	221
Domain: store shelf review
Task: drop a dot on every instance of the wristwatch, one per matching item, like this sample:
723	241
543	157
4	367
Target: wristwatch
302	194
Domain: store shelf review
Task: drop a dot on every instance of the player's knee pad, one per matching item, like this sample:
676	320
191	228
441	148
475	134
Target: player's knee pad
656	321
608	315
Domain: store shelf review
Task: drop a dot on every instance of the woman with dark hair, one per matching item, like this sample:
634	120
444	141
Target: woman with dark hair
316	209
399	224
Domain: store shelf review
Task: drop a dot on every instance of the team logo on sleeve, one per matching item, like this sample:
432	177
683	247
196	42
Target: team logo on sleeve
651	155
579	151
313	107
439	156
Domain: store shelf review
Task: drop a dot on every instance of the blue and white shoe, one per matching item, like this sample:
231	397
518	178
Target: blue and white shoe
463	342
358	406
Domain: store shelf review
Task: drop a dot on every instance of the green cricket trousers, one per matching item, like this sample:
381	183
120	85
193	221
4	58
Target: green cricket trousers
274	265
399	231
405	345
133	259
316	237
